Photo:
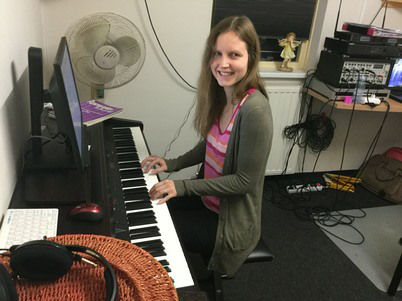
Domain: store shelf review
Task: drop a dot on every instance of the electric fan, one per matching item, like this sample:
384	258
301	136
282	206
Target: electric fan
107	50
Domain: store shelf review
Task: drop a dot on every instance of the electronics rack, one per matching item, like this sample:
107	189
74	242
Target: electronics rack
359	54
333	93
344	72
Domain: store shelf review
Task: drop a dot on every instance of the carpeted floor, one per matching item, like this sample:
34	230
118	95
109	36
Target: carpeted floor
379	253
307	265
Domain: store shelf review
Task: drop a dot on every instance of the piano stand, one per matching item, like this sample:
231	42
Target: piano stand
261	253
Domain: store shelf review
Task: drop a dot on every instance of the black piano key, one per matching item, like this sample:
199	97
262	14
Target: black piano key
164	262
151	229
123	136
142	221
131	173
130	194
137	197
156	253
149	243
134	164
165	265
126	149
154	248
144	234
136	205
120	131
127	157
135	190
133	183
140	214
123	143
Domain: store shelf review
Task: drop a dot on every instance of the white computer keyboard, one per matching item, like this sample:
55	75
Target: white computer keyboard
22	225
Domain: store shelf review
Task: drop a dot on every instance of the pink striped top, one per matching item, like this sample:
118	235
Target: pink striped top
217	143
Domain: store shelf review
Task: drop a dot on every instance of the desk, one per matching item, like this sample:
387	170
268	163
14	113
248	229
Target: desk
395	106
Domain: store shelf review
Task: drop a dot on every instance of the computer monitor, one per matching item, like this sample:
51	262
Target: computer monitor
58	172
63	94
395	81
66	104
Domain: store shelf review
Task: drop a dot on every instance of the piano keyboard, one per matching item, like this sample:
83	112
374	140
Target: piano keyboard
150	225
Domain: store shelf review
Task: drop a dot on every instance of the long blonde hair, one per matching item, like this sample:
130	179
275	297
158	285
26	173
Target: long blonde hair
211	99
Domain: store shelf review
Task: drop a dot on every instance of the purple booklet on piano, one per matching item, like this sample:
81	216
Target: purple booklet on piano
94	112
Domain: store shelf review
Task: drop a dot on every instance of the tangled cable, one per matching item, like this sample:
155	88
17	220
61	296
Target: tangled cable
317	132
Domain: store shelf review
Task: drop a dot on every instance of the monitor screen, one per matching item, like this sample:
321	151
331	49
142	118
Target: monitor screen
395	80
66	104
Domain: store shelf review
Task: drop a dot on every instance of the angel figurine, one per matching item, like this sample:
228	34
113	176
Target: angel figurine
289	45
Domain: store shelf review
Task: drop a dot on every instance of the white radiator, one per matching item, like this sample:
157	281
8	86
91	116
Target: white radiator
285	105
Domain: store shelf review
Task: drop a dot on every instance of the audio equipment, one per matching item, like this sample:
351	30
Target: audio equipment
371	30
362	49
336	93
356	37
42	260
340	71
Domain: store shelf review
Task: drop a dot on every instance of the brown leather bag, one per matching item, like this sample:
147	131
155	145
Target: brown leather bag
383	176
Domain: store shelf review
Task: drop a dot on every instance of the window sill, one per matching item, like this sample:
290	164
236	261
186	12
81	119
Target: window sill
273	73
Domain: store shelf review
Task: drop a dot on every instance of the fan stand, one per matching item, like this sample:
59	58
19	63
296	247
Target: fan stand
98	94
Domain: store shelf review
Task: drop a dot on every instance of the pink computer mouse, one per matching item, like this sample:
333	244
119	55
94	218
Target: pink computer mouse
89	212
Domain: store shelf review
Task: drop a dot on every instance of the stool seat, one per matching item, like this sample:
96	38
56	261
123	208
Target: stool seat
260	253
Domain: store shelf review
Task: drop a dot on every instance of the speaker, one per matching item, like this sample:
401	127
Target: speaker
42	260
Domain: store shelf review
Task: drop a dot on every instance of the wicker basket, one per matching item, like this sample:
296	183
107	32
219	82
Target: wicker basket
139	275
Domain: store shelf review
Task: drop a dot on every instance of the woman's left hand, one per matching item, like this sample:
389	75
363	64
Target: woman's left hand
164	190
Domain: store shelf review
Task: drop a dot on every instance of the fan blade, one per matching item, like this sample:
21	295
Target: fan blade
129	50
92	34
90	72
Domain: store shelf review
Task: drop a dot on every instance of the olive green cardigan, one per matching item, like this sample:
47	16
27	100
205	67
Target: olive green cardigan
240	186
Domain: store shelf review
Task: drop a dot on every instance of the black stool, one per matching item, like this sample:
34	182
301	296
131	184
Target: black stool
396	279
261	253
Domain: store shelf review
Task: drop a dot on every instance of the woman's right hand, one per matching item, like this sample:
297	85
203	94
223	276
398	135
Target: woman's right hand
149	163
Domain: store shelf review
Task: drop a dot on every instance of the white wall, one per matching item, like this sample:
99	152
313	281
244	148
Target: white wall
21	27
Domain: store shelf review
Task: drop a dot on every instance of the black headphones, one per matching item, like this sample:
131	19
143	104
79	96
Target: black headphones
43	260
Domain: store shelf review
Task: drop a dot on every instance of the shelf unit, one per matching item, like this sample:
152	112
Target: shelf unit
395	106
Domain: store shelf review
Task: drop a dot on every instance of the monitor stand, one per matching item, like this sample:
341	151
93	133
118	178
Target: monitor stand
396	95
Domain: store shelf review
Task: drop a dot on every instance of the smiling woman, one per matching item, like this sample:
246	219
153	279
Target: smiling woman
233	113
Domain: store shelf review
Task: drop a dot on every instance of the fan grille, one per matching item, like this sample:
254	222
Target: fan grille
89	34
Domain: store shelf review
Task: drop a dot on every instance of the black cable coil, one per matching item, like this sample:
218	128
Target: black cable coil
316	132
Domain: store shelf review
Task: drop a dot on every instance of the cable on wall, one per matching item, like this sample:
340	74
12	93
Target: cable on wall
161	47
